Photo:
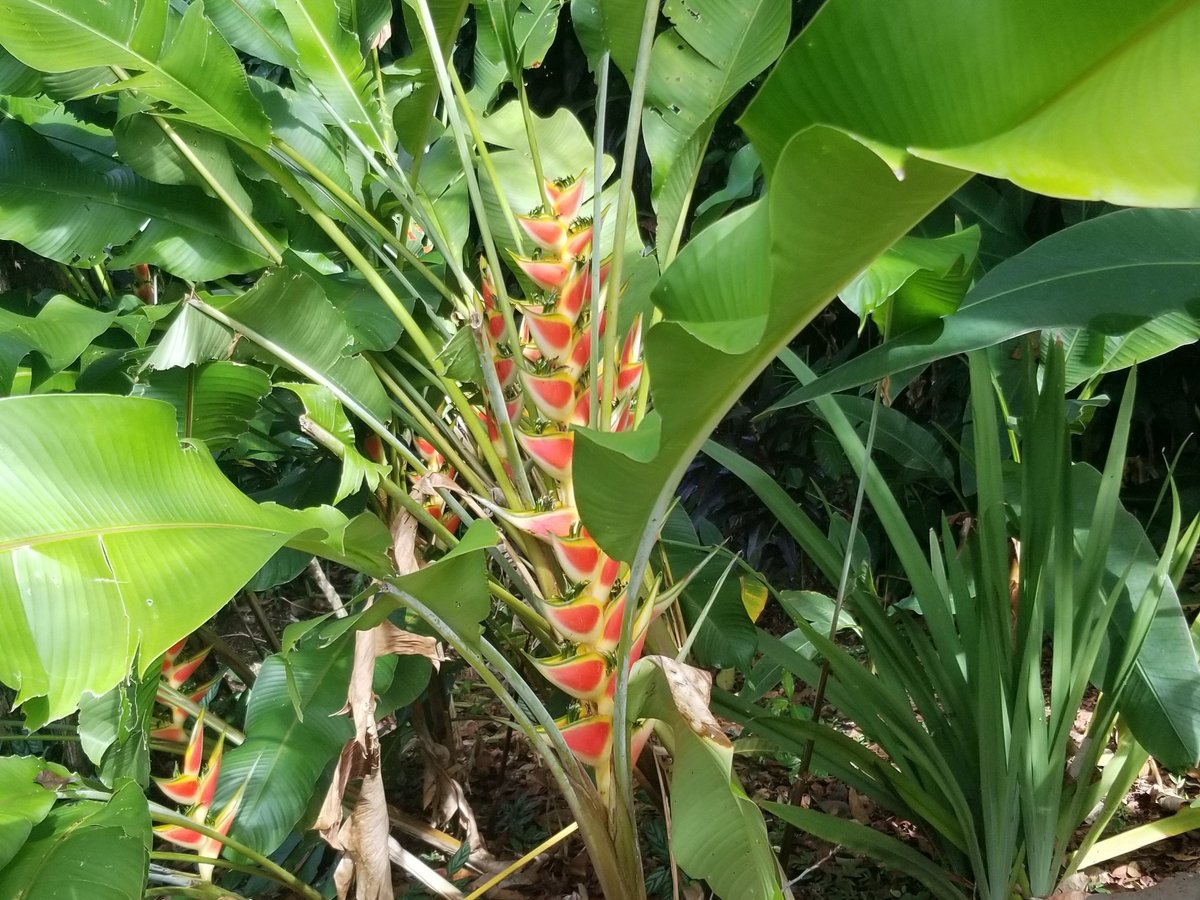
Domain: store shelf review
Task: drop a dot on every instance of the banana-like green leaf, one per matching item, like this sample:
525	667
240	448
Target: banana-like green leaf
115	540
1111	274
286	752
323	412
26	802
289	318
69	212
256	27
184	64
413	117
101	850
191	338
114	729
329	58
717	833
60	332
832	207
1074	99
1091	354
711	52
214	401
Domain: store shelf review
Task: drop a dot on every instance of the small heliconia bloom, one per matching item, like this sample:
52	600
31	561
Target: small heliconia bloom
553	394
628	377
182	789
577	291
580	557
181	836
172	654
567	199
582	675
174	733
211	847
590	739
373	448
551	450
548	232
560	521
578	619
506	370
178	673
578	243
553	333
548	274
212	771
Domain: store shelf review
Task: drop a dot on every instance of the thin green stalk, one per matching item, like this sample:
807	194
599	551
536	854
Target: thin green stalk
256	231
212	721
612	300
214	861
80	284
106	284
361	213
531	135
597	227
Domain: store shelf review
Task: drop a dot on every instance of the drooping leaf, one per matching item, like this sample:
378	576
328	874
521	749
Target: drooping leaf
256	27
75	214
195	74
711	52
60	332
1070	99
98	850
413	117
26	802
115	540
214	401
192	338
1091	354
1111	275
114	729
322	410
289	318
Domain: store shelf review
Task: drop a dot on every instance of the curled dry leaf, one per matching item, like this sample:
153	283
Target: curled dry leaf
691	689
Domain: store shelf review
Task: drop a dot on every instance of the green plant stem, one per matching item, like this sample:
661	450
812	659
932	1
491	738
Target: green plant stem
596	256
162	856
44	738
363	215
80	284
256	231
200	890
105	282
212	721
531	135
612	299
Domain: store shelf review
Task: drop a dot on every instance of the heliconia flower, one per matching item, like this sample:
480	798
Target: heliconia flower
578	619
553	394
181	836
580	557
641	734
561	521
582	675
590	739
506	369
567	199
548	232
373	448
628	377
581	413
211	847
578	243
553	333
178	673
548	274
611	635
577	290
212	770
184	788
551	450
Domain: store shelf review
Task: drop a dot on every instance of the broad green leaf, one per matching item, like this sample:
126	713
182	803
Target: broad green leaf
214	402
285	755
114	729
115	540
1111	275
489	70
191	338
875	844
908	443
255	27
289	318
917	281
711	52
25	801
74	214
322	411
717	833
1091	354
744	170
621	24
832	207
60	332
100	851
185	65
329	57
1074	99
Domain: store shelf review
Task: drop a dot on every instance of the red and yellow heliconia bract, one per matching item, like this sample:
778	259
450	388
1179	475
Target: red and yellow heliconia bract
555	372
194	786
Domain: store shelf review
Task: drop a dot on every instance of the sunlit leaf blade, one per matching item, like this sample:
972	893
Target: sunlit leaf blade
322	411
328	56
103	846
412	118
214	401
1111	274
1073	99
195	74
71	213
114	539
1091	354
25	802
60	332
289	318
255	27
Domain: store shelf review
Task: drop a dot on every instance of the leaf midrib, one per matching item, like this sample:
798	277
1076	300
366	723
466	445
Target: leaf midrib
9	546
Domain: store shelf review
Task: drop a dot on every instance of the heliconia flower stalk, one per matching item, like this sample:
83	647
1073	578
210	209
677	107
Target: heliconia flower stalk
554	371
